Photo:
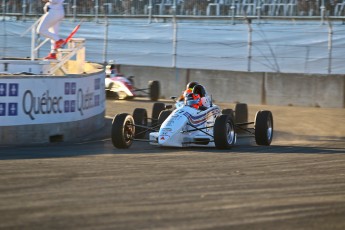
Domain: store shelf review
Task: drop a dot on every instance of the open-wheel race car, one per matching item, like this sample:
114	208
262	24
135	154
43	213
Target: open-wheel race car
186	126
119	86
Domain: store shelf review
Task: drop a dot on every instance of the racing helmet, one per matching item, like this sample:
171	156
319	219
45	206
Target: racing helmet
192	100
200	90
191	85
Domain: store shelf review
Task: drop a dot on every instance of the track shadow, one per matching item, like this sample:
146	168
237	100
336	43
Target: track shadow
100	143
66	150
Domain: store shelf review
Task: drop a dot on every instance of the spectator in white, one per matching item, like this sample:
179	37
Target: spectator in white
50	24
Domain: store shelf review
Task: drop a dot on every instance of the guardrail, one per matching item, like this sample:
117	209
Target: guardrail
296	9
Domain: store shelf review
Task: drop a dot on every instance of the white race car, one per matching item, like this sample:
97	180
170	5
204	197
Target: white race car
186	126
119	86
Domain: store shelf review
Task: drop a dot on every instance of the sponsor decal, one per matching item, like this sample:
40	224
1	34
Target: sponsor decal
70	88
3	89
43	104
170	122
48	104
2	109
163	137
9	90
97	83
202	118
12	109
26	100
97	100
13	89
69	106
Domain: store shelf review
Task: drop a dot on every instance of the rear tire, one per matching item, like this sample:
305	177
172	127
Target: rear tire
140	118
224	132
263	127
241	113
241	116
154	90
122	131
229	112
157	108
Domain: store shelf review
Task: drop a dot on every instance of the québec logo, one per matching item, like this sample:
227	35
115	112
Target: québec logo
70	89
9	90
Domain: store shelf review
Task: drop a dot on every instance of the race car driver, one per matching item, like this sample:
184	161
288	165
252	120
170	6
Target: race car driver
198	98
189	89
193	100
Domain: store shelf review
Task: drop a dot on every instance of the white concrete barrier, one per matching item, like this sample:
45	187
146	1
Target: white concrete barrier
314	90
46	108
248	87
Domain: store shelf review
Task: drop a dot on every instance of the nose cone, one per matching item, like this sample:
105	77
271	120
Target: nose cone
162	138
170	131
172	139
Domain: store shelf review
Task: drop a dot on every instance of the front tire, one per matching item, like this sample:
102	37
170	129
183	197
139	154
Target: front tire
224	132
140	118
157	108
122	131
263	127
163	116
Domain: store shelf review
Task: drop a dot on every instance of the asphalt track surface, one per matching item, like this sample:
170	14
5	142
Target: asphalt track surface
296	183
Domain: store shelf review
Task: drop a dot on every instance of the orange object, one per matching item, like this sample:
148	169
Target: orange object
59	44
51	56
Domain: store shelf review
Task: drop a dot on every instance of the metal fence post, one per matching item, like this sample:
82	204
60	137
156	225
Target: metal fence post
24	9
233	8
105	47
175	45
250	31
96	10
3	9
150	11
330	44
74	10
258	9
174	39
322	8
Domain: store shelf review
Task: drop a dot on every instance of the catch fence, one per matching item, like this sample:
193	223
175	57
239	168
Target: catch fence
169	40
189	8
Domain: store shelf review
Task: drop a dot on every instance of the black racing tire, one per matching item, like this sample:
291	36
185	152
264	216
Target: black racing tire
263	127
122	131
224	132
111	94
157	108
110	86
163	116
140	118
154	90
241	113
229	112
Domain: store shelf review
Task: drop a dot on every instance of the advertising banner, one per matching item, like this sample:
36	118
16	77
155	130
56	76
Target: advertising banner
26	101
